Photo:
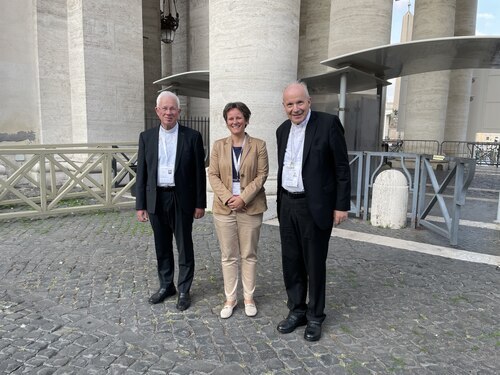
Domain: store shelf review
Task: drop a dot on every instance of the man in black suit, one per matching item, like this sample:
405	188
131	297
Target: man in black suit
170	192
313	194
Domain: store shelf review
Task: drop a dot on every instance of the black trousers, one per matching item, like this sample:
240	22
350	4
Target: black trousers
169	221
304	249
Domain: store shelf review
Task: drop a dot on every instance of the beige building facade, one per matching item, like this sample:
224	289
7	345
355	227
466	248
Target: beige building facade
82	71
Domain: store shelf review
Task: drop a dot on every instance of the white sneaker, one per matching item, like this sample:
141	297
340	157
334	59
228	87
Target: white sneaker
227	311
250	309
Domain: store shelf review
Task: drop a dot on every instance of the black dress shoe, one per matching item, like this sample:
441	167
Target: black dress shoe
290	323
161	294
184	301
313	331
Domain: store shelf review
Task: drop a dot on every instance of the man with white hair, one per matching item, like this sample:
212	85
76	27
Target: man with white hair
170	192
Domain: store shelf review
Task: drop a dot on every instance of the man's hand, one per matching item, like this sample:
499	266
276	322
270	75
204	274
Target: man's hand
142	215
339	216
199	213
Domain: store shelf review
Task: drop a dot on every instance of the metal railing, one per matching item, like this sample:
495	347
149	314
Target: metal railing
485	153
408	164
39	180
411	146
417	169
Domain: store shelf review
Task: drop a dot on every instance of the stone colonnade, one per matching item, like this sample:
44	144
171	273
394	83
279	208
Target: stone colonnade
86	71
437	103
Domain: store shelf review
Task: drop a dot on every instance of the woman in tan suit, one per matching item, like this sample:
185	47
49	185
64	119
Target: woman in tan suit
237	173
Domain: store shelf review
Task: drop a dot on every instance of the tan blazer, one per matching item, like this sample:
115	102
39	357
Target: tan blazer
254	168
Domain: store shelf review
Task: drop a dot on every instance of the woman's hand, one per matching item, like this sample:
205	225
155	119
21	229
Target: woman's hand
235	203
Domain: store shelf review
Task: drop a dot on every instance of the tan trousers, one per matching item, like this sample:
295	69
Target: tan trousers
238	235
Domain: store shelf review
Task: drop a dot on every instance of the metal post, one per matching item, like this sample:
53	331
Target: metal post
415	187
458	202
381	95
343	92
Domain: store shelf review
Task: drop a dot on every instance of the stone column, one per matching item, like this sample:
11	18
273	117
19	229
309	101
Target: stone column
179	48
53	70
166	60
77	73
313	39
358	24
152	54
198	47
457	112
106	70
20	110
427	93
253	56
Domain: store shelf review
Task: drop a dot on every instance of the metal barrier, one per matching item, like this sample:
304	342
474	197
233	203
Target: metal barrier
462	173
457	149
421	165
356	163
52	179
411	146
386	160
41	180
485	153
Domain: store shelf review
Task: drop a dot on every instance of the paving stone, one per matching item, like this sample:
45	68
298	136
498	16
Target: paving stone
46	371
78	304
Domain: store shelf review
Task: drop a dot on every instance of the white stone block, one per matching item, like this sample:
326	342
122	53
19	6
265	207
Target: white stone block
389	200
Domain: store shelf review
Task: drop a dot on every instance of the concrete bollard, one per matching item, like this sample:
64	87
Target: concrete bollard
389	200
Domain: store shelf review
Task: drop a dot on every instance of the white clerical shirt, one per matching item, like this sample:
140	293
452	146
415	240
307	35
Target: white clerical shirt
291	178
167	150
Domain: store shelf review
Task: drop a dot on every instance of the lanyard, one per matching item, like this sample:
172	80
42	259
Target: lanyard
296	134
163	143
237	160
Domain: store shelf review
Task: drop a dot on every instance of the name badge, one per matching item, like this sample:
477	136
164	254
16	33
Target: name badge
292	175
236	188
166	175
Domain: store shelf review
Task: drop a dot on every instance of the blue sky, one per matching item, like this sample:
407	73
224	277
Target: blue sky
488	23
488	17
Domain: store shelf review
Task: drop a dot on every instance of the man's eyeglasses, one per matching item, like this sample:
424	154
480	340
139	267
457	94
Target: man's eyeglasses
168	109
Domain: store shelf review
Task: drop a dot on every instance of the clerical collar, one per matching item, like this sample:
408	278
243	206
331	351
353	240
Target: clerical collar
173	130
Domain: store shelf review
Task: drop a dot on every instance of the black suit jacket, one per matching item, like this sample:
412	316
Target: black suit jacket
325	166
189	174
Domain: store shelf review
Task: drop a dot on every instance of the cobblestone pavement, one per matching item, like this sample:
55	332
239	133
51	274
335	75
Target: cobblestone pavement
74	289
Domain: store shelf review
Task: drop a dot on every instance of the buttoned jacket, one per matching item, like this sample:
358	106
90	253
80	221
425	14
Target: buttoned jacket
254	169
